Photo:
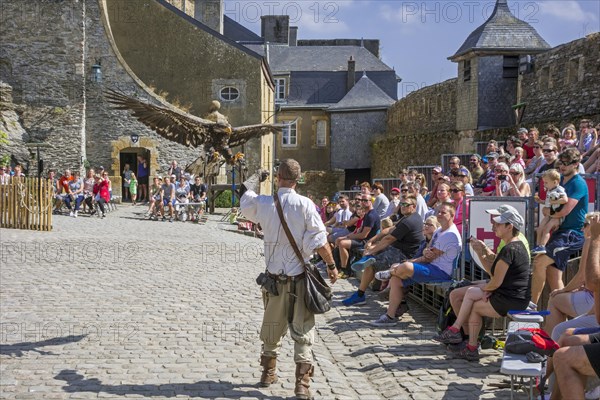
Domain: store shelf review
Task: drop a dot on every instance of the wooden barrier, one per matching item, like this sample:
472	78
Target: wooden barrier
26	203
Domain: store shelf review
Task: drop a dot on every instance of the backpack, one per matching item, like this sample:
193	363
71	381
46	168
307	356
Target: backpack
527	340
447	317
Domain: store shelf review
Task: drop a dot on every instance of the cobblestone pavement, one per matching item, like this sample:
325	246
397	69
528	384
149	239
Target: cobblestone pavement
124	307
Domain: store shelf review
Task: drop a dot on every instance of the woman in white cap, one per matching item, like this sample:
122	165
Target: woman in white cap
508	289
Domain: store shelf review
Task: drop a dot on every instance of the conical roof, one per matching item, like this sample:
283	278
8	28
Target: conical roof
503	33
364	95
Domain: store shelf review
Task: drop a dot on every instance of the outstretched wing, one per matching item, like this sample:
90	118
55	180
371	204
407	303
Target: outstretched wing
242	134
169	123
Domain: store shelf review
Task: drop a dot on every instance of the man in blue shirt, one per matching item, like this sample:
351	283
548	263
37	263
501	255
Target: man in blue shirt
568	238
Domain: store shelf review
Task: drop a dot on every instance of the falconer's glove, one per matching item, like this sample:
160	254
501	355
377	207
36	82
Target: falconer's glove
253	182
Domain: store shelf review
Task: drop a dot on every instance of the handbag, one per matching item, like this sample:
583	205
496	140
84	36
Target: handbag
318	293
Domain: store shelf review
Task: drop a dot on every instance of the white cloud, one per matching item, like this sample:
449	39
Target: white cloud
567	10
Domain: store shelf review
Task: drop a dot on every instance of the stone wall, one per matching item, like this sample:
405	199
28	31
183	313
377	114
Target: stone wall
431	109
565	85
321	183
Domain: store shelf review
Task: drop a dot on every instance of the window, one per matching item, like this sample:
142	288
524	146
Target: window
510	67
229	93
575	71
466	70
289	137
321	133
280	90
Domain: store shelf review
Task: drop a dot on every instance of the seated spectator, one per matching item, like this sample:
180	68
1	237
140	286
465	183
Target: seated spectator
588	137
443	196
550	152
454	164
336	224
501	185
436	263
476	170
412	175
492	147
365	188
518	158
182	198
568	138
457	194
4	176
511	144
413	189
517	186
101	193
63	188
522	135
508	288
403	176
568	239
464	177
18	171
592	163
323	209
556	198
394	202
369	228
154	208
575	361
356	186
88	190
421	180
487	182
75	193
536	161
532	137
381	203
437	177
167	198
553	132
396	244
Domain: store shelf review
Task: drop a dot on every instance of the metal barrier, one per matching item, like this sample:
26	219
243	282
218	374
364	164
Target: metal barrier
349	193
426	170
481	147
464	160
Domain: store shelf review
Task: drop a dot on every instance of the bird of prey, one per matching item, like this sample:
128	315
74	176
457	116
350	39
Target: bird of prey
214	132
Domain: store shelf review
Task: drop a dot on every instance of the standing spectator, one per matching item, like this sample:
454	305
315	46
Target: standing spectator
365	188
568	239
381	201
532	137
75	193
175	170
356	186
305	225
133	185
587	136
101	194
126	175
143	171
476	169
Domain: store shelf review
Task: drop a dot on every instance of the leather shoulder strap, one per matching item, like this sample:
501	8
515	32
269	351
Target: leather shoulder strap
286	229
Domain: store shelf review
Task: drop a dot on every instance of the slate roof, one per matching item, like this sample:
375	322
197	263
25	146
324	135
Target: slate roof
365	94
239	33
283	58
503	32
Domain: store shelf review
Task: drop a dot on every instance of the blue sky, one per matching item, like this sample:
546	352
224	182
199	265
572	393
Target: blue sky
418	36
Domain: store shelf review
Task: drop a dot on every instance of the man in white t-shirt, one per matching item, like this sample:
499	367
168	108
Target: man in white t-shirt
335	225
435	265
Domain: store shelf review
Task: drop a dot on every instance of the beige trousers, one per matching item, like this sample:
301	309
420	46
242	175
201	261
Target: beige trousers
275	323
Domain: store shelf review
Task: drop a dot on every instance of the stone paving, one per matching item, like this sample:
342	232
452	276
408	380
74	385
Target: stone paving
124	307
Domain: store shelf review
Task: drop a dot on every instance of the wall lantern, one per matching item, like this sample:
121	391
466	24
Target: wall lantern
135	138
97	72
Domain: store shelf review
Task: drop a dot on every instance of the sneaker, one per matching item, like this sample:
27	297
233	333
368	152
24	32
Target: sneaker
456	347
71	213
466	354
384	320
103	215
383	275
532	306
171	219
93	212
593	394
449	337
75	214
355	299
343	275
538	250
363	263
401	310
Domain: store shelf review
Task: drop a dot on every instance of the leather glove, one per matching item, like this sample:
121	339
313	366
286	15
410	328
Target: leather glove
253	182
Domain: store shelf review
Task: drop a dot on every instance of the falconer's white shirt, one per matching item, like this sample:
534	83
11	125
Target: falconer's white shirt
303	220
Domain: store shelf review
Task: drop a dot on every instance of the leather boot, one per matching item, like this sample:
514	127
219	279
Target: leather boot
269	374
303	373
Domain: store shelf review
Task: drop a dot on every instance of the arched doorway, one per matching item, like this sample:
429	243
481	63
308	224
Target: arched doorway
124	150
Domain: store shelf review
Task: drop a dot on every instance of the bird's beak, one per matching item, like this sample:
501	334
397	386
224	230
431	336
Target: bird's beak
229	130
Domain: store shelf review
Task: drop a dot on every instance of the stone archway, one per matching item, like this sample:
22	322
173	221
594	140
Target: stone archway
125	142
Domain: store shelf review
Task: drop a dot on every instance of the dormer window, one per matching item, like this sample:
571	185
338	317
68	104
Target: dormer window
280	90
229	93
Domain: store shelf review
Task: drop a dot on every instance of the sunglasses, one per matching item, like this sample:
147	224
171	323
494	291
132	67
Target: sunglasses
455	190
548	150
406	204
365	200
566	164
515	173
435	173
461	176
429	224
536	147
453	163
404	191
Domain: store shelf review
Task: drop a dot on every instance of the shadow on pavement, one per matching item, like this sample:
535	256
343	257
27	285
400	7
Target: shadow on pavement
77	383
463	391
18	349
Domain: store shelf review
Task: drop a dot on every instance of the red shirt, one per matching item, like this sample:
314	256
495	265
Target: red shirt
102	188
529	150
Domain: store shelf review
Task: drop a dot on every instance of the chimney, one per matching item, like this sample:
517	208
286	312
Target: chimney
351	73
275	28
210	13
293	36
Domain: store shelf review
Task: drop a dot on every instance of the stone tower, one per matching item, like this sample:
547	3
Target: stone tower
488	69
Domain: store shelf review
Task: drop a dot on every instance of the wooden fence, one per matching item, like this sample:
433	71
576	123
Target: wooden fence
26	203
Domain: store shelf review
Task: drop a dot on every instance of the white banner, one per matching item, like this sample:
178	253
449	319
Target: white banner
480	226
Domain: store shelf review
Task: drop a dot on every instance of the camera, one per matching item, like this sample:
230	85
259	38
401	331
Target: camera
502	177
